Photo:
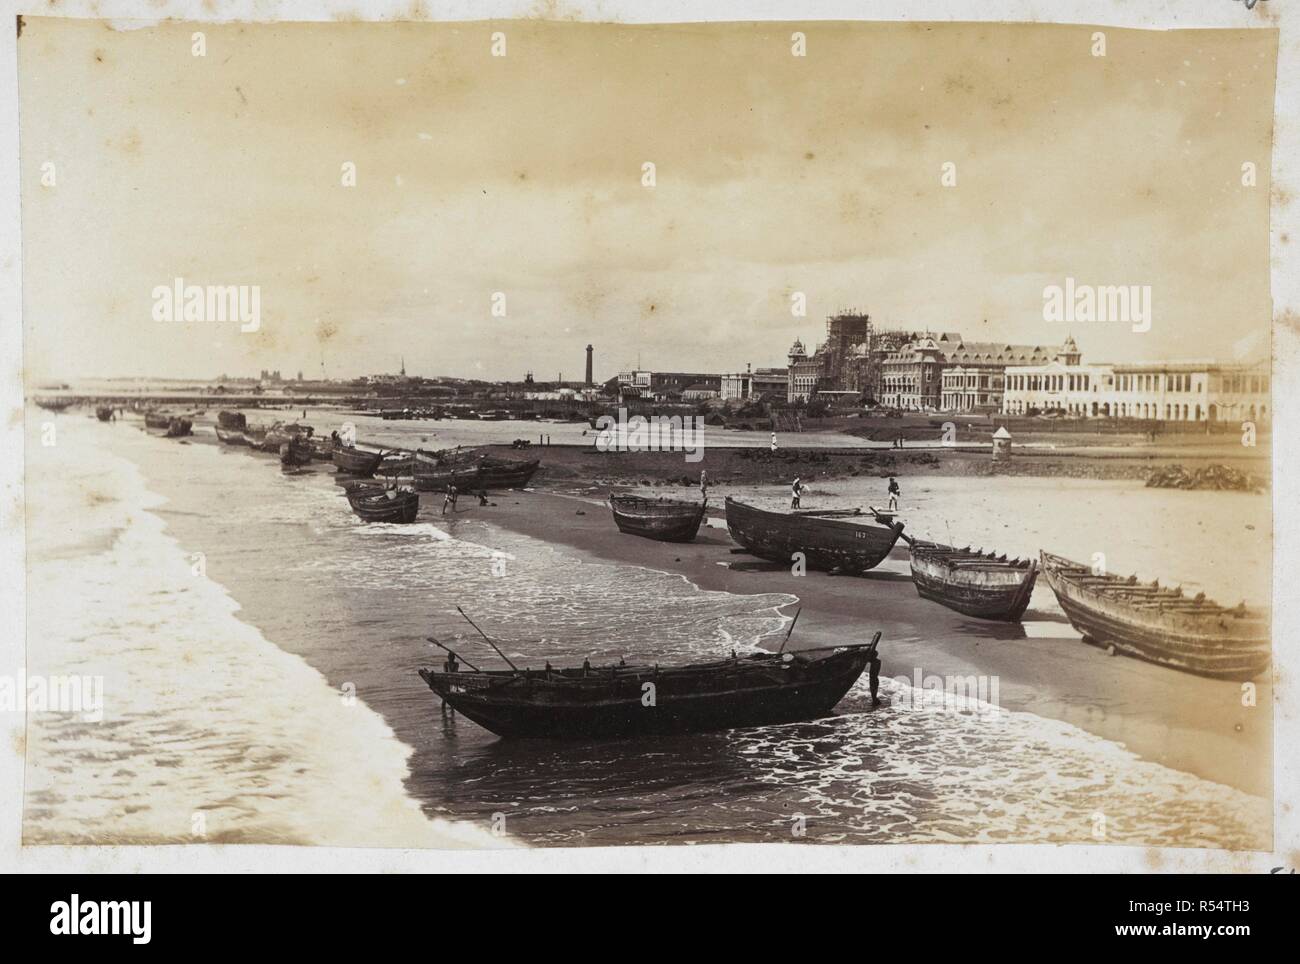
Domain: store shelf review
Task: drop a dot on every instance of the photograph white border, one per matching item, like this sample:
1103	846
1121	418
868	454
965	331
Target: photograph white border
209	858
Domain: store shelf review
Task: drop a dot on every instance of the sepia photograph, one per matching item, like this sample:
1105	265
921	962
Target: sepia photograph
559	431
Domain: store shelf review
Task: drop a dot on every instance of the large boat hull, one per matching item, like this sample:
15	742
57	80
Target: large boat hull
672	521
828	544
372	505
506	473
355	461
615	706
231	436
993	592
1223	645
436	479
471	476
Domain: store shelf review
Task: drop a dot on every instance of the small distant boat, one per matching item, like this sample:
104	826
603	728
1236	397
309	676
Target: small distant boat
608	702
356	461
667	520
231	436
375	504
972	582
104	413
178	426
1160	625
834	540
494	415
54	404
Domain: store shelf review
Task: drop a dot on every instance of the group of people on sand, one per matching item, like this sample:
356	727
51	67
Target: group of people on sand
797	490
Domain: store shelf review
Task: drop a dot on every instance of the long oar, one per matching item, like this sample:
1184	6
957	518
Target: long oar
790	630
489	641
454	653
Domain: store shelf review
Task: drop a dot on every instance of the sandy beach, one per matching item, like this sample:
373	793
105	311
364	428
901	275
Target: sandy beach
1175	719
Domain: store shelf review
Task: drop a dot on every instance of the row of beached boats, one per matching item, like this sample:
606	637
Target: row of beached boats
1143	620
1121	614
171	425
385	483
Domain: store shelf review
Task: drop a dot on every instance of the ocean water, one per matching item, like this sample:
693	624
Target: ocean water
260	646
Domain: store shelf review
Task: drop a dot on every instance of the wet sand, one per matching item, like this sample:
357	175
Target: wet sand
1180	721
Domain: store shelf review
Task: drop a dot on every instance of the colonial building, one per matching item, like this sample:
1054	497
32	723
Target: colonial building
911	376
1185	391
662	386
1084	390
1192	391
755	383
975	376
805	374
699	392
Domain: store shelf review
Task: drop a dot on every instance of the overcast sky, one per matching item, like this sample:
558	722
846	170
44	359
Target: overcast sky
523	174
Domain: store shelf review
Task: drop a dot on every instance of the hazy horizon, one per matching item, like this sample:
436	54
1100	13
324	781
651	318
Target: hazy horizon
522	174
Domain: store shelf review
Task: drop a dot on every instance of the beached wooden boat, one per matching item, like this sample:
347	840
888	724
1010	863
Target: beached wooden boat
178	426
281	432
1160	625
157	419
436	478
54	404
231	436
295	452
667	520
104	413
374	504
496	473
973	582
232	420
469	471
356	461
322	448
255	434
590	703
834	540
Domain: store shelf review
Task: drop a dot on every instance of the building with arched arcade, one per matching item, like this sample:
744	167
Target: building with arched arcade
1170	391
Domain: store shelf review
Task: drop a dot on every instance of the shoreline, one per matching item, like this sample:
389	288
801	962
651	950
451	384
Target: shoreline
1157	713
1161	715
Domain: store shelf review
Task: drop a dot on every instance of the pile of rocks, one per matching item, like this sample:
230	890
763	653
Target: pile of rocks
1216	476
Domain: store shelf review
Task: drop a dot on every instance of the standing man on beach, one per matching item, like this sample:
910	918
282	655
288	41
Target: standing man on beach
894	493
773	441
795	491
450	498
704	485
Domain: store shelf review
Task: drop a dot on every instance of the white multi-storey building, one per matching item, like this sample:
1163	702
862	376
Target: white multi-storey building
1165	391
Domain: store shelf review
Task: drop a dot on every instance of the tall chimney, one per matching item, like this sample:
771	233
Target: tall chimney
589	383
